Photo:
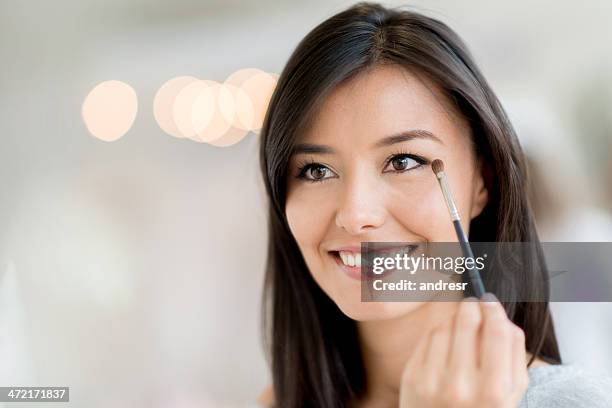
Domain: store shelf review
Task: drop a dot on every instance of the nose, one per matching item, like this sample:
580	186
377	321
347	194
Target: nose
361	207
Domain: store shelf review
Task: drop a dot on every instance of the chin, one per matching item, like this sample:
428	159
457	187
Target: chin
369	311
348	299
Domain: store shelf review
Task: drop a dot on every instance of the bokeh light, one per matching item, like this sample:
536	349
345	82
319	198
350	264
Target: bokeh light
183	109
238	101
230	137
237	78
259	88
209	120
109	110
202	110
163	104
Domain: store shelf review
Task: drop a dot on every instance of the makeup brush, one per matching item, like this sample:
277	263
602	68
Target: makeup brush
438	168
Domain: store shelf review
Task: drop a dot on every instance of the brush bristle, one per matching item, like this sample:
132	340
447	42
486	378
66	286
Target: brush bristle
437	166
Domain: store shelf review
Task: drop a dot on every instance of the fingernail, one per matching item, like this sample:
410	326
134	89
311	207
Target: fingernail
470	299
489	299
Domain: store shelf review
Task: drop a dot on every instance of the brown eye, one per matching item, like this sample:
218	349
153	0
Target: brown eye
315	172
318	172
403	162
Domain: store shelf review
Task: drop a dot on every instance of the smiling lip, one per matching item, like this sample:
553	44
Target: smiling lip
354	272
378	249
357	249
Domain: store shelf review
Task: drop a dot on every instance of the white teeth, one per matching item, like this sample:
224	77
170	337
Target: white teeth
351	258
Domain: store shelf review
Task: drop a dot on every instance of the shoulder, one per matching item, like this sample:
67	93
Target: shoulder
266	398
563	385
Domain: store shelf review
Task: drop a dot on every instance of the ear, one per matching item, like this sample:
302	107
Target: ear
480	193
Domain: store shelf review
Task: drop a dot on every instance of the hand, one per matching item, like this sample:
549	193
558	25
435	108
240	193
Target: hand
475	359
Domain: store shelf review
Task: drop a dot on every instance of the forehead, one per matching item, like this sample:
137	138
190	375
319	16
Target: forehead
385	100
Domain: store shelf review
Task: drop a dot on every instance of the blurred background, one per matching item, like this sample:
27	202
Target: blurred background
131	258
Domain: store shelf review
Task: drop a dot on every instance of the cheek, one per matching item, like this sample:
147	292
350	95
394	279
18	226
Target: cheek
307	217
420	208
297	216
464	182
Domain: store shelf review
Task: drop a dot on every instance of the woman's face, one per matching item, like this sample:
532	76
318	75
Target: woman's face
354	184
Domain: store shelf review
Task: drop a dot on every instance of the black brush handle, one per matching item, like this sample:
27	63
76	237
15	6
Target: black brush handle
477	287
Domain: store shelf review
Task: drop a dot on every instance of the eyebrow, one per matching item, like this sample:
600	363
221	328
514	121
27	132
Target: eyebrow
305	148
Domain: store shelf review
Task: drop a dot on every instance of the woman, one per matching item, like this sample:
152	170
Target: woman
366	102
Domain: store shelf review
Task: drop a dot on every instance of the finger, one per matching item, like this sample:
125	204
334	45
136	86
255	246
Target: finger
416	360
496	346
437	354
464	336
520	378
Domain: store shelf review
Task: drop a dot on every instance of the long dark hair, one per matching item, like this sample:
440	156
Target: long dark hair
313	347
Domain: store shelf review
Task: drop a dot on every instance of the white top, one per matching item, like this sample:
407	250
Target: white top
566	386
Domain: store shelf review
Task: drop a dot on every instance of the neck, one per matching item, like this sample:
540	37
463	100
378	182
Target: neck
388	344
